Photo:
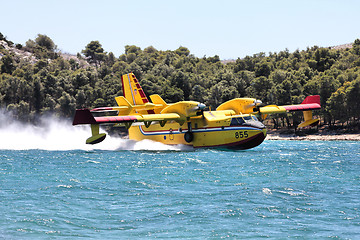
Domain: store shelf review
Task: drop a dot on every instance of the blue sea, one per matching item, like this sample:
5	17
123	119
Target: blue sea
278	190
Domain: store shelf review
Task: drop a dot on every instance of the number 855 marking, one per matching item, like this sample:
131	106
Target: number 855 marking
241	134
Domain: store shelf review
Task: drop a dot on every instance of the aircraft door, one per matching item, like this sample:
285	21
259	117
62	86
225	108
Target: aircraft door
171	134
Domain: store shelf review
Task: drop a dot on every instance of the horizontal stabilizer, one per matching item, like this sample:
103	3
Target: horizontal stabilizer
302	107
310	103
156	99
108	109
84	116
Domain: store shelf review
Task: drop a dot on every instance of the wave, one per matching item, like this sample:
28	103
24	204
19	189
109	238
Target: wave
56	134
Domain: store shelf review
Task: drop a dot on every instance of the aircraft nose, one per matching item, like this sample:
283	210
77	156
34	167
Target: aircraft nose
256	124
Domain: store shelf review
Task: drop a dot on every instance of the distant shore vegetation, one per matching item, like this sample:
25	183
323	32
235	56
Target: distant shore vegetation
37	79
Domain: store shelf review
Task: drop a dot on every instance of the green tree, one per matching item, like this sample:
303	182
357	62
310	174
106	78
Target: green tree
130	57
356	47
182	51
23	110
150	50
152	84
198	93
327	85
49	104
220	93
336	104
94	53
260	88
46	42
181	81
110	60
41	64
80	79
284	92
80	99
262	69
7	64
352	96
37	100
172	94
66	106
132	49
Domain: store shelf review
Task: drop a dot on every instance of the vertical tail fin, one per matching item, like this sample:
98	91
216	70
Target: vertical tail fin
312	99
132	90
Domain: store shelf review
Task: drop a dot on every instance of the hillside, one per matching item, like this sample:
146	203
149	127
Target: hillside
37	79
17	53
342	46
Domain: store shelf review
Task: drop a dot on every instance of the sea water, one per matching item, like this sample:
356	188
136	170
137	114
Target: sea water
52	189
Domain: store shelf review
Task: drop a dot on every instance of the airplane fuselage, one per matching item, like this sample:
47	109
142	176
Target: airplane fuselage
235	132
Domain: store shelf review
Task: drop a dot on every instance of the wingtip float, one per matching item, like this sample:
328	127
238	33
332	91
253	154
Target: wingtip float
234	124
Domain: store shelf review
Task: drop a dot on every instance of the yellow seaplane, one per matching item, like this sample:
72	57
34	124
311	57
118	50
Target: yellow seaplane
234	124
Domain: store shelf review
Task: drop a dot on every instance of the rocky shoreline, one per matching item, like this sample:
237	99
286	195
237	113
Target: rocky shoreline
319	136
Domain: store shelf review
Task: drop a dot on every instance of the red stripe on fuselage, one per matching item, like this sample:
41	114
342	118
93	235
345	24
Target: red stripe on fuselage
122	81
115	119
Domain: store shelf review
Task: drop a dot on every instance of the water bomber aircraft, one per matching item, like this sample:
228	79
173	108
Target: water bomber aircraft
233	125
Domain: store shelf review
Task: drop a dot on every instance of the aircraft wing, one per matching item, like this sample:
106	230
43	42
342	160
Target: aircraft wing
84	116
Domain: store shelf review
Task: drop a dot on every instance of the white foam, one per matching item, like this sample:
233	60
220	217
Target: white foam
55	134
267	191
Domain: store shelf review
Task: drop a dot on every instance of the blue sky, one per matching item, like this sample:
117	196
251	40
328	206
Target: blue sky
229	29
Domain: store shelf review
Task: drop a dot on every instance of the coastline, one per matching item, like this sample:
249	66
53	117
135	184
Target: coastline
319	136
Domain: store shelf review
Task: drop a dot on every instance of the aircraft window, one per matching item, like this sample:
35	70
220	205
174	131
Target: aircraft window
255	118
237	121
247	118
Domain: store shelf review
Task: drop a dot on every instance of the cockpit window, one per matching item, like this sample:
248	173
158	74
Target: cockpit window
237	121
247	118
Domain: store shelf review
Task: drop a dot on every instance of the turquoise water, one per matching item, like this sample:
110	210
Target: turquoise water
279	190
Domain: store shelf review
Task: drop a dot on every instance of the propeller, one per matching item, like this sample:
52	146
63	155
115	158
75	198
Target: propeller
257	104
199	107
